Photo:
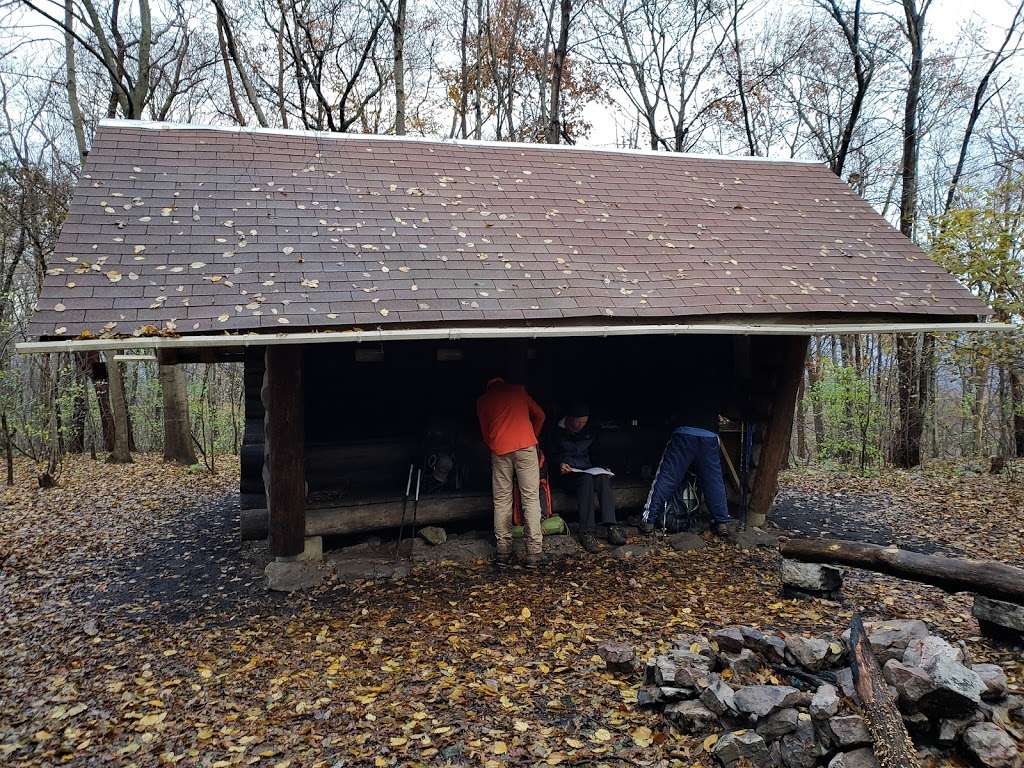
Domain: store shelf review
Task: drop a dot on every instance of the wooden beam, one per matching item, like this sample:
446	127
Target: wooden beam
953	574
780	423
283	465
375	514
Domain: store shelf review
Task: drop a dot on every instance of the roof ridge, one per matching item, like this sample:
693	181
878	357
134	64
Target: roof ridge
157	125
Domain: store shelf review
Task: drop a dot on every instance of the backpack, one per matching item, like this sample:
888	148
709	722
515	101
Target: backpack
686	510
546	505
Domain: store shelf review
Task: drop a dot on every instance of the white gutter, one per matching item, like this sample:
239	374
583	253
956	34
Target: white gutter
221	341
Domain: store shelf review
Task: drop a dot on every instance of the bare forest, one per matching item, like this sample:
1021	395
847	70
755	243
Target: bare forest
923	117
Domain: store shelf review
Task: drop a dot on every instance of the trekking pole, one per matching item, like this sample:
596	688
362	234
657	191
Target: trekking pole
415	504
405	506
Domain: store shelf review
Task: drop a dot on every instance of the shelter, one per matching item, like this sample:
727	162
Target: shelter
372	284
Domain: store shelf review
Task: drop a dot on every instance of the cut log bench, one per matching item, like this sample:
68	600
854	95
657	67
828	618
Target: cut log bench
361	515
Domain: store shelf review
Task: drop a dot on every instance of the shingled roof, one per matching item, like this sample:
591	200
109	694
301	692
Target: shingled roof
200	230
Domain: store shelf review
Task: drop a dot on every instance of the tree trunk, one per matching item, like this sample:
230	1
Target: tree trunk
554	128
398	30
177	426
1017	404
953	574
79	406
119	410
892	745
801	422
906	450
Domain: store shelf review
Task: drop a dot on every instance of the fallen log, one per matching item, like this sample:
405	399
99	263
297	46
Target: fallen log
953	574
892	744
359	516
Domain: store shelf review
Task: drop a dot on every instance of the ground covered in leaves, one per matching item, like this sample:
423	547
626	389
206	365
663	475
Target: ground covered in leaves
134	632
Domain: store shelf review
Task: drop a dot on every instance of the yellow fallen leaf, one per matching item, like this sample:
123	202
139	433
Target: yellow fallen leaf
397	741
525	614
556	758
642	736
602	734
574	743
520	726
499	748
710	741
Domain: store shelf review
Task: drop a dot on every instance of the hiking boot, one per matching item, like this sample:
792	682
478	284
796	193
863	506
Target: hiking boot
533	560
725	530
503	559
589	543
615	536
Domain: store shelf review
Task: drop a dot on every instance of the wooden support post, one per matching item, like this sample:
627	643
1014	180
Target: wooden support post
780	423
283	465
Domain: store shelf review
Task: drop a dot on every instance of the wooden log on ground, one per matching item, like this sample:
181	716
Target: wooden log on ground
892	744
375	514
953	574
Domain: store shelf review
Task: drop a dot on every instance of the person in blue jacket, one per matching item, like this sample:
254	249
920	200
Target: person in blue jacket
694	443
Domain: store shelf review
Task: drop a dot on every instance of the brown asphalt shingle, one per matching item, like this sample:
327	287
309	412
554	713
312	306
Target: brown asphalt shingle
221	230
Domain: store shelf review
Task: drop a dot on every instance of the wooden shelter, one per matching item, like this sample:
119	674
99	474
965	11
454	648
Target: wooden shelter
372	284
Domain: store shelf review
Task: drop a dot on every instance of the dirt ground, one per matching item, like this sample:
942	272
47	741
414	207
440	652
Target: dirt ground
134	631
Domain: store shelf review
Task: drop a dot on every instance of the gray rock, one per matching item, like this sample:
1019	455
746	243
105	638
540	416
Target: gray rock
844	677
434	534
728	639
692	717
800	748
960	688
889	639
825	703
91	628
950	730
750	538
694	644
858	758
924	652
631	551
991	746
744	663
771	647
616	655
648	696
813	653
811	577
739	746
719	697
293	575
685	541
763	700
691	668
998	617
661	670
849	732
912	684
779	724
996	684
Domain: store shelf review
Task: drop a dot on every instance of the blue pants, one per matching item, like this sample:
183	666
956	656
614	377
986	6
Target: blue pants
684	450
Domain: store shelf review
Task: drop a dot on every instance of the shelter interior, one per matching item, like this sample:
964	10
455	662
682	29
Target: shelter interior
373	409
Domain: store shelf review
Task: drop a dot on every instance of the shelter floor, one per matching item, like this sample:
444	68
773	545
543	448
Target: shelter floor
136	632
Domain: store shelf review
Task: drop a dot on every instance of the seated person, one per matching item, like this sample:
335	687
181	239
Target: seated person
570	449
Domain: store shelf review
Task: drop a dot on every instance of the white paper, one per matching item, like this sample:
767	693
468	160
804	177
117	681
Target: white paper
594	471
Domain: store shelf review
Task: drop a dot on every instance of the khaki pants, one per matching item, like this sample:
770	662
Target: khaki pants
524	466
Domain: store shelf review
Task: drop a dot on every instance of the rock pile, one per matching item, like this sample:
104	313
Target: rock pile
788	701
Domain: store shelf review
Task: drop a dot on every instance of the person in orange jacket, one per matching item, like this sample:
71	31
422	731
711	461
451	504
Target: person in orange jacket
511	421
